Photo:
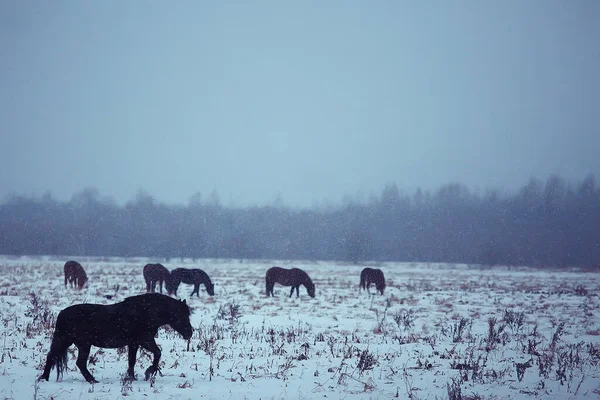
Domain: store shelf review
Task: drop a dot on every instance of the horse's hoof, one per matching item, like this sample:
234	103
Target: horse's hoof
43	378
92	380
130	377
150	372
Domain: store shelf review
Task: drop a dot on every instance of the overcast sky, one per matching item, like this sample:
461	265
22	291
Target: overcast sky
306	100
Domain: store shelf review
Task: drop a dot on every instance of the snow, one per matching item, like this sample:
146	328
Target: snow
303	348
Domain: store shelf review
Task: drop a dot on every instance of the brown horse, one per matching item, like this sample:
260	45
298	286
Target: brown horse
75	274
372	275
289	277
154	273
191	277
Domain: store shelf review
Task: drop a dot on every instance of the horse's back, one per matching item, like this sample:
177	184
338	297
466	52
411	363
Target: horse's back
72	267
190	276
86	315
371	272
107	326
278	275
145	301
286	277
155	271
134	309
179	273
299	273
273	271
199	275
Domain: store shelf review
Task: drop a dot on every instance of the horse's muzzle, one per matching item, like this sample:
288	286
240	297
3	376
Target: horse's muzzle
187	335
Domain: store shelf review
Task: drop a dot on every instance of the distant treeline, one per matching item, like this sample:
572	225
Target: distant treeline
548	224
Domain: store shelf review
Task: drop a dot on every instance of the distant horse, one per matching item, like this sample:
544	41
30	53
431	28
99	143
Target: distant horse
133	322
75	274
154	273
191	277
289	277
372	275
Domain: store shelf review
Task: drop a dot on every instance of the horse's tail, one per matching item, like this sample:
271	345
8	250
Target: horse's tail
57	356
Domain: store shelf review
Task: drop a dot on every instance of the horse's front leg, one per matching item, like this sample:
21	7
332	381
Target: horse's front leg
84	352
292	291
150	345
132	355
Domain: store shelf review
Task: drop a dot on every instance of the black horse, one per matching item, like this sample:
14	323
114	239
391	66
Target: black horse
154	273
133	322
372	275
75	274
289	277
191	277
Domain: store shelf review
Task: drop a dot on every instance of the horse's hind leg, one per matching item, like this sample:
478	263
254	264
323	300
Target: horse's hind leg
152	347
132	354
84	352
49	363
292	291
196	290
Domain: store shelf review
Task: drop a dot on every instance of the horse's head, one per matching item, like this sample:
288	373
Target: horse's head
82	280
169	285
310	288
380	283
180	319
210	288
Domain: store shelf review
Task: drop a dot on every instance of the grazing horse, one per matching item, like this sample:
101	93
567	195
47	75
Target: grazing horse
191	277
133	322
372	275
289	277
75	274
154	273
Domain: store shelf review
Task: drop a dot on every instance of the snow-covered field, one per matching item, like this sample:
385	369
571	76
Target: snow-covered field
440	331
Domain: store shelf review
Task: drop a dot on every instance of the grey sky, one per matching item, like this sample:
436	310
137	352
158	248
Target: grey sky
309	100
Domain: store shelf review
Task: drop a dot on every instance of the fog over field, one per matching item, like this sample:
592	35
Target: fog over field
343	131
304	102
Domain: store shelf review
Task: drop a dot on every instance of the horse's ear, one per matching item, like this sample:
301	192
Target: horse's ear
183	301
